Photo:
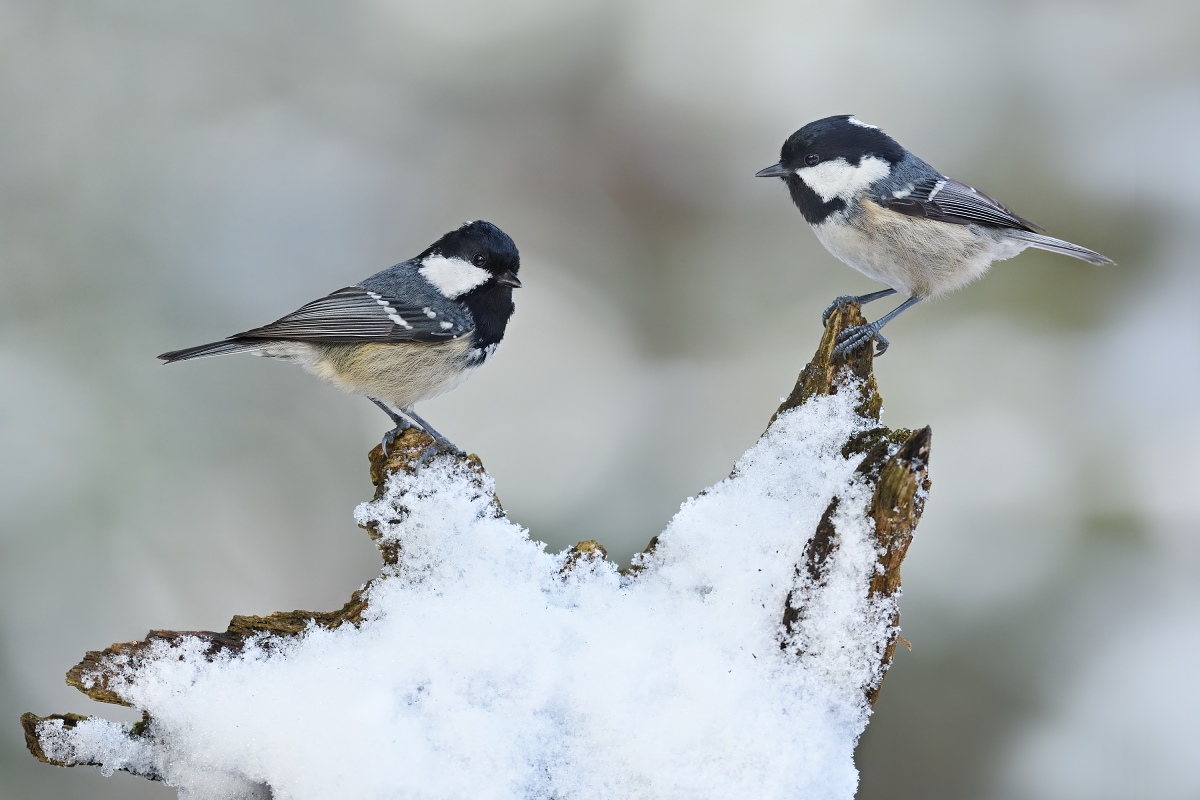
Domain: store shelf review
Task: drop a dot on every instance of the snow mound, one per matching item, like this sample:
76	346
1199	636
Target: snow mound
485	667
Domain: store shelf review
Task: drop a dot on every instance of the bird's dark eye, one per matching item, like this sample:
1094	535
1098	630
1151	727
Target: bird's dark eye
479	259
812	159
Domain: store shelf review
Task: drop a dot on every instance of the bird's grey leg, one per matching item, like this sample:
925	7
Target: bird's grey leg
400	421
861	299
851	339
425	426
402	425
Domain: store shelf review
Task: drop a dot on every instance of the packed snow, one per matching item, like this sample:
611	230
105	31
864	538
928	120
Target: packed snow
484	669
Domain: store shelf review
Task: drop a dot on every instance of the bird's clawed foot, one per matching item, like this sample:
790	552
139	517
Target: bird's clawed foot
389	438
838	304
409	419
440	442
854	338
857	299
438	438
446	444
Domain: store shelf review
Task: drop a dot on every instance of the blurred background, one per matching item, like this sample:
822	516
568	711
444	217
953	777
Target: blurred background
173	172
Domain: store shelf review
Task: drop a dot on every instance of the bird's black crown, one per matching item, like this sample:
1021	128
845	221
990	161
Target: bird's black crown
838	137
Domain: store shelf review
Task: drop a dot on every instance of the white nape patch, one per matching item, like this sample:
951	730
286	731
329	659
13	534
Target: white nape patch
937	187
429	312
452	276
391	312
862	124
838	178
902	193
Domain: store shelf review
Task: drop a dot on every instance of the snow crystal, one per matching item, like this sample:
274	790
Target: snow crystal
95	741
484	669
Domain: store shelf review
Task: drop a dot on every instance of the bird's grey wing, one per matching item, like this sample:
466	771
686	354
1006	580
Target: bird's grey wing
358	314
947	200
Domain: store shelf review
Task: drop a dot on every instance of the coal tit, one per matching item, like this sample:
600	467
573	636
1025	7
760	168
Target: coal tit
403	335
894	218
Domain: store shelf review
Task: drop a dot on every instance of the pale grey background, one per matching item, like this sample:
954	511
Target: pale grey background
172	172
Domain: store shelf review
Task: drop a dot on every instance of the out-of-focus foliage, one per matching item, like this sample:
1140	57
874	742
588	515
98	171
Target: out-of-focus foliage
174	172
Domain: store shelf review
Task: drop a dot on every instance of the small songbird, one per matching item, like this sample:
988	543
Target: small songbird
403	335
894	218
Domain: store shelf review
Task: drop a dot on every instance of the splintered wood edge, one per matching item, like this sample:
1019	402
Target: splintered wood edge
899	475
896	507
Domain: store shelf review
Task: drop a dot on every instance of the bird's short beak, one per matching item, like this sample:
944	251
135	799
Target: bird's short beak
508	279
773	171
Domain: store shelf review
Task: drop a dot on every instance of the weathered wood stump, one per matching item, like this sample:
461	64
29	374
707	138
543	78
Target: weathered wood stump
892	462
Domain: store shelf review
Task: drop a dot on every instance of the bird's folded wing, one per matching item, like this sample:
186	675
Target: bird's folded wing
948	200
355	314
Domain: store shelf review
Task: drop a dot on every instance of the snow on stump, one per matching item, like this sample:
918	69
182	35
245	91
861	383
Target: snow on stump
737	657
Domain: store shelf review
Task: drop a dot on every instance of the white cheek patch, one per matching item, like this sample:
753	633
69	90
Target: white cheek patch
839	178
452	276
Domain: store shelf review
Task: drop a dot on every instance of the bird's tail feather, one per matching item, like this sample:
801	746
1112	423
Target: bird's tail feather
212	349
1059	246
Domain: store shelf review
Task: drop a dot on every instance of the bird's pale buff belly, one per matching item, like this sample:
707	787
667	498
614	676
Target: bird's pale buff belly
401	375
916	256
